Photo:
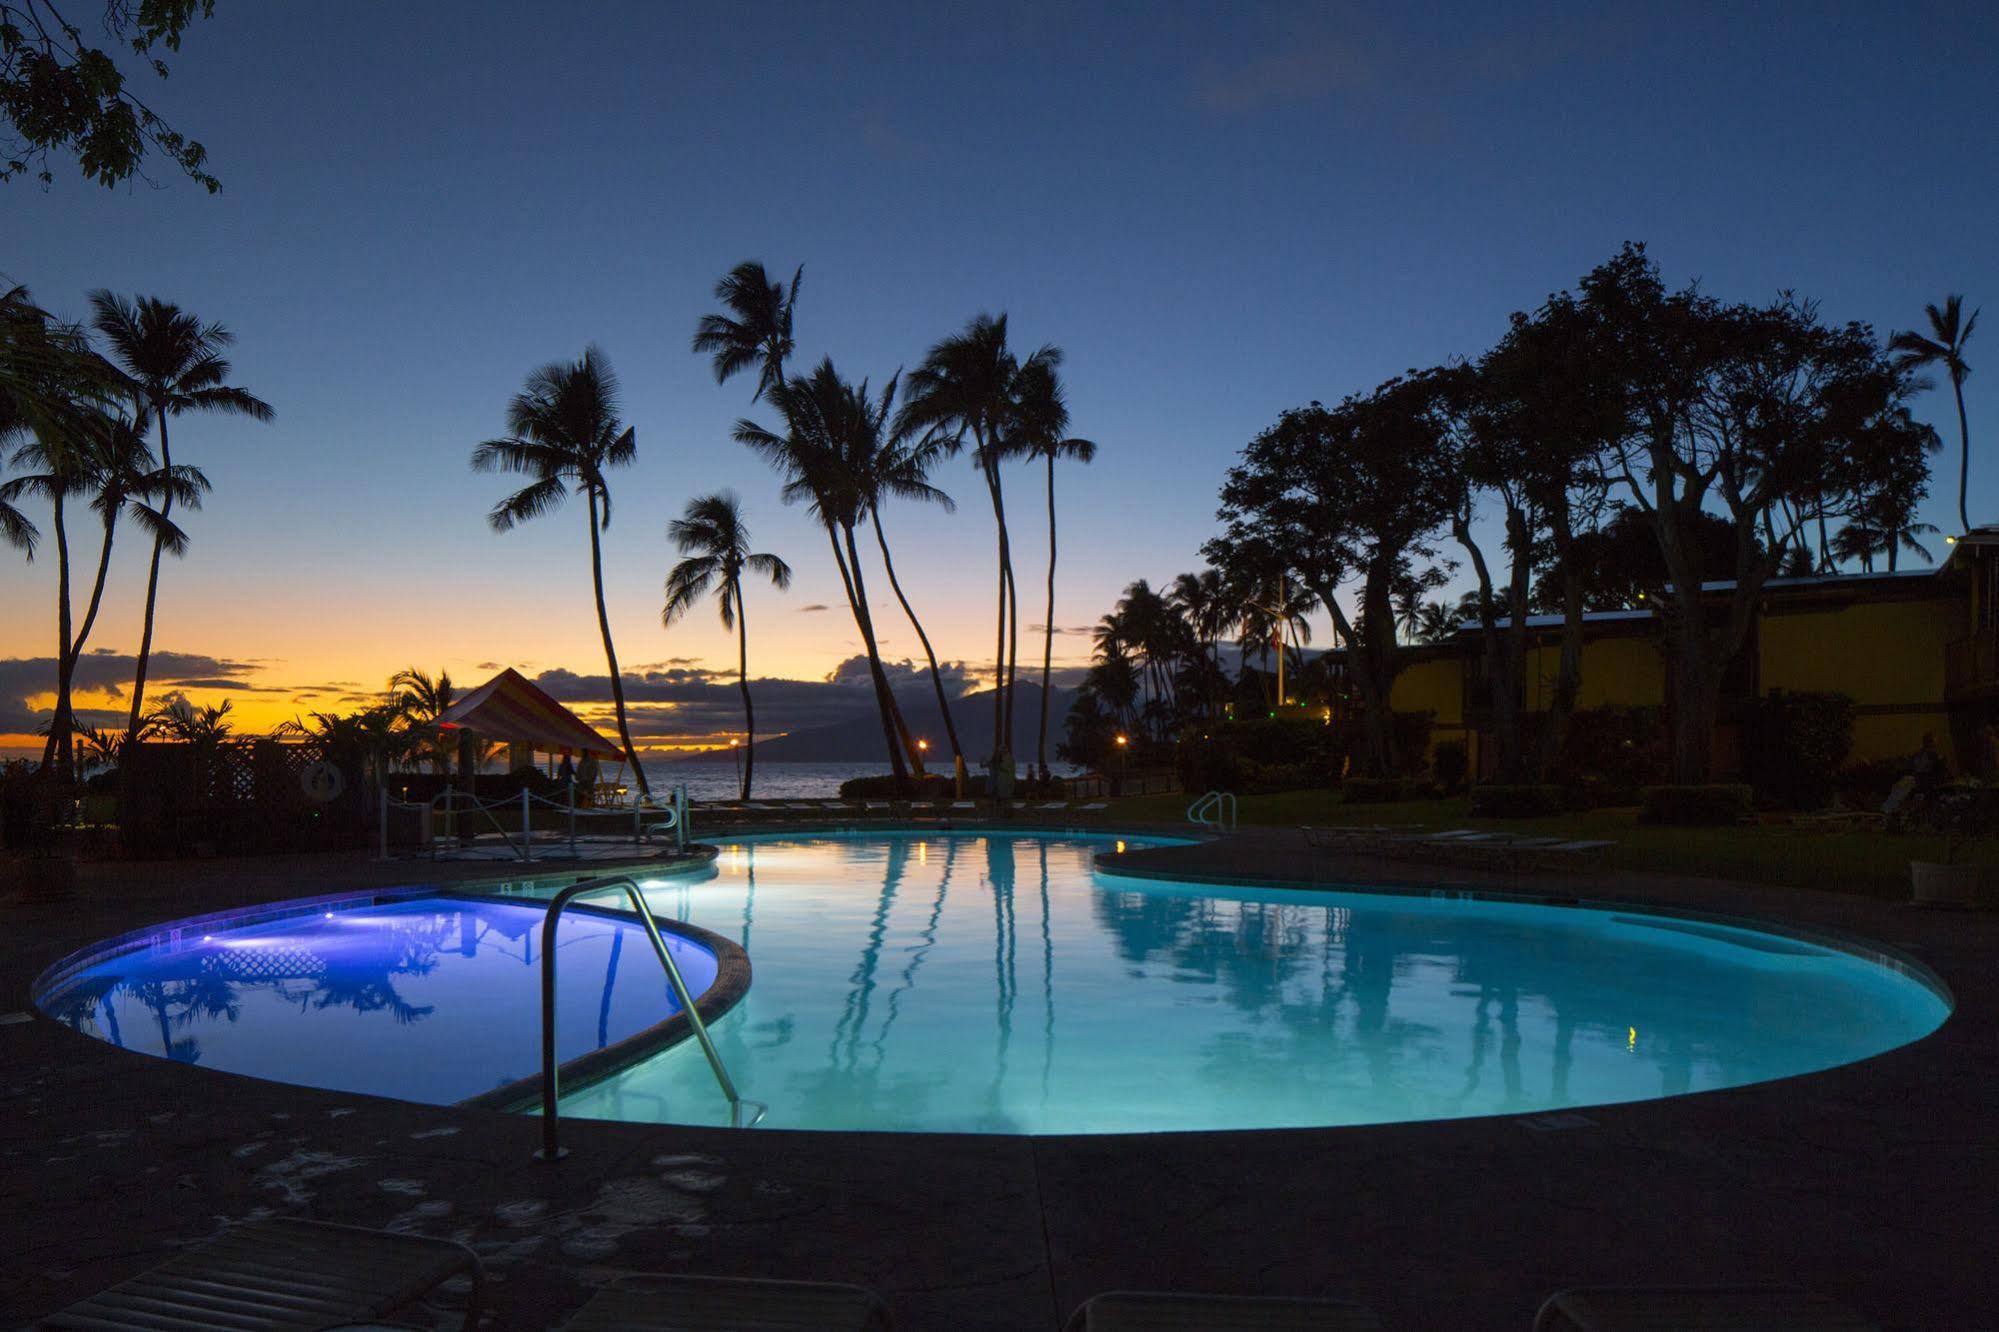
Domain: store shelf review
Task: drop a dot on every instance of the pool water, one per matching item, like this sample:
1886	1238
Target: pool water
428	999
998	984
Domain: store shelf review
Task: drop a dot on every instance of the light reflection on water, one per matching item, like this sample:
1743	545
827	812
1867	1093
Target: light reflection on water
434	999
996	984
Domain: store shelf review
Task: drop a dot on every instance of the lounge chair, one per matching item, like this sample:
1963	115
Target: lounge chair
283	1274
1094	807
1159	1311
1052	805
959	804
697	1304
1722	1308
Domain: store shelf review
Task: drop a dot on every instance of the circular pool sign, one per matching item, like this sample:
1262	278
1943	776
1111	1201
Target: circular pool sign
322	782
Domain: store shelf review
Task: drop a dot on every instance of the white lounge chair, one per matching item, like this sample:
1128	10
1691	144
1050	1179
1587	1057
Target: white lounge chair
1644	1308
281	1275
1093	807
1160	1311
1053	804
675	1303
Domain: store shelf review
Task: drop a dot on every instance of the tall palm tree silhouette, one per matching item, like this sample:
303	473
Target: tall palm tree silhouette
900	468
563	430
716	541
833	432
968	385
757	329
1949	331
176	366
1043	426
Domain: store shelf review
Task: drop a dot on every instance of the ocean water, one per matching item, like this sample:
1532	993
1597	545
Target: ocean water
717	779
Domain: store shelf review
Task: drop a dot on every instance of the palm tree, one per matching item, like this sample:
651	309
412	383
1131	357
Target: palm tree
1042	425
716	542
176	365
834	432
757	329
563	430
423	701
969	384
1949	331
900	468
121	472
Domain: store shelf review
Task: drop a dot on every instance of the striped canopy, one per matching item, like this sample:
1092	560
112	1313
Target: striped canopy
512	708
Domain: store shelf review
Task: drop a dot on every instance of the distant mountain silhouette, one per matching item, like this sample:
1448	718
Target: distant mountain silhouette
860	740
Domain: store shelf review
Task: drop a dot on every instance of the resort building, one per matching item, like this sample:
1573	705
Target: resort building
1916	650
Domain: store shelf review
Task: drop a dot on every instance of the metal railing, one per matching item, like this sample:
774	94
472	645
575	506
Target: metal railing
550	1150
1214	810
452	805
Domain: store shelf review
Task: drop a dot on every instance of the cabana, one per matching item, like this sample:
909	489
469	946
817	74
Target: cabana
514	710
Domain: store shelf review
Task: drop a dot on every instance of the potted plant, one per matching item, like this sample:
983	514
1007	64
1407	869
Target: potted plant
1964	815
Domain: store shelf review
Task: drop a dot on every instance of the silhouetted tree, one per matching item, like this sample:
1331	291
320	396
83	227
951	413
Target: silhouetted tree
58	93
716	541
564	431
1042	431
1950	329
756	331
176	366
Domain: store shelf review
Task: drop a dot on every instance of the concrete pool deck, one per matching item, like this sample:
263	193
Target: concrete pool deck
1876	1183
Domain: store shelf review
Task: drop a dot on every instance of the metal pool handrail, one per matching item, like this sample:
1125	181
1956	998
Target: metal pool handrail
1216	809
550	1151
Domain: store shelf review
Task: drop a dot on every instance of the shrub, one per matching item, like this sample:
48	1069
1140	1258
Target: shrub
1793	743
1491	801
1450	763
930	786
1616	747
1696	806
1387	790
1866	785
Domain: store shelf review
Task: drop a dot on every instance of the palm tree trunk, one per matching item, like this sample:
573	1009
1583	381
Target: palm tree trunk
897	766
55	754
1048	629
867	622
96	591
1963	454
936	680
611	653
1004	682
152	591
999	633
743	683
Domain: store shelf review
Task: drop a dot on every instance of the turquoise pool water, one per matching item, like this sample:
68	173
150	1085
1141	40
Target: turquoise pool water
996	984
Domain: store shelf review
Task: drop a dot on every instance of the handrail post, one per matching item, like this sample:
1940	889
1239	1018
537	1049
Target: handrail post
551	1149
527	826
572	818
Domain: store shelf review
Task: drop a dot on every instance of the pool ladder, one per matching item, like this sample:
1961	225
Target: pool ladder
550	1150
1214	810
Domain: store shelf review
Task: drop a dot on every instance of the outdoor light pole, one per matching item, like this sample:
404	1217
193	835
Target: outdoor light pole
736	750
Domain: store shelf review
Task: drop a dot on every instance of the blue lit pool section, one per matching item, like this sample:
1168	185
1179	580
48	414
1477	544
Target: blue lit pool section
427	999
972	982
999	984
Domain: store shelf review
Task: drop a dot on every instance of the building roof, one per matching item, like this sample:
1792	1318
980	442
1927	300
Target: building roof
512	708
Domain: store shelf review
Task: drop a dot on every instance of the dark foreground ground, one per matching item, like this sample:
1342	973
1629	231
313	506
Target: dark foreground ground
1877	1183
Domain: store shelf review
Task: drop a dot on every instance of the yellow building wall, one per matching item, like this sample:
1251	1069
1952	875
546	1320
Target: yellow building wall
1887	656
1431	686
1884	652
1627	672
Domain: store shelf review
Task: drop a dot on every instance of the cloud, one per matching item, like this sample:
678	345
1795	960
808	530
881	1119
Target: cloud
490	666
815	606
1410	72
109	673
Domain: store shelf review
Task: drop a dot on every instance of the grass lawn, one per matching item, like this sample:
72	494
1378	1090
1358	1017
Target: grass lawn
1870	863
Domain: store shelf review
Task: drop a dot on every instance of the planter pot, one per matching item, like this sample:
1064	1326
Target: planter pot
45	878
1932	884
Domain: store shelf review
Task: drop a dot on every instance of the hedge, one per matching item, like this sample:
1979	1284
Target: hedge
1491	801
1696	806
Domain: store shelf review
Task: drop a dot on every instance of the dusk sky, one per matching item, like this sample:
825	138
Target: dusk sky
1217	211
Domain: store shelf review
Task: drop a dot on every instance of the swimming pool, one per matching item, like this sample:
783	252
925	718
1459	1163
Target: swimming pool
998	983
425	998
